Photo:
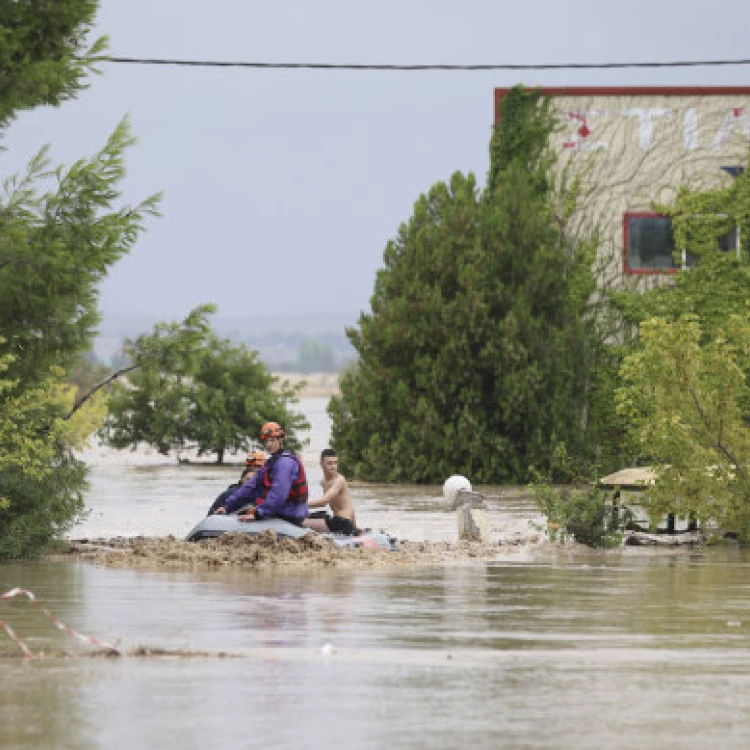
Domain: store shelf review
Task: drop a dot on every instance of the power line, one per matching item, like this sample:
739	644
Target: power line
394	67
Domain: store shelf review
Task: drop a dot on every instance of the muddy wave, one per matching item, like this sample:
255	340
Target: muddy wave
266	550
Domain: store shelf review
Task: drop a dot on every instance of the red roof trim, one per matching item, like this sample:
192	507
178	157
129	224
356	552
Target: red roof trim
630	91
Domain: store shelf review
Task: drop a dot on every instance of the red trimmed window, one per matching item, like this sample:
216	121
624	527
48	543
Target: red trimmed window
648	244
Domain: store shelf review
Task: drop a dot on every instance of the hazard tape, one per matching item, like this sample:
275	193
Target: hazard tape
51	617
12	635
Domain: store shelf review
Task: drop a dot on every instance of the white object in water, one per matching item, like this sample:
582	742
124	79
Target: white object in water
471	510
328	650
452	486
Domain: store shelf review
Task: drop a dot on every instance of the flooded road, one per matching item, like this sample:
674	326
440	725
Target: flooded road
542	648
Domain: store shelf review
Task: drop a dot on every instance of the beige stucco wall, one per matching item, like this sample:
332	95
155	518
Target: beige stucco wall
634	150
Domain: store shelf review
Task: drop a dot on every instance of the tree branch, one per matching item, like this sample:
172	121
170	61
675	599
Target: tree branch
718	445
81	401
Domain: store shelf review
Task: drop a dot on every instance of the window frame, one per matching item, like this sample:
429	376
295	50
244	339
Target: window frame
684	265
626	269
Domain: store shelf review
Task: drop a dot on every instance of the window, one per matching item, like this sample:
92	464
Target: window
728	237
730	242
649	244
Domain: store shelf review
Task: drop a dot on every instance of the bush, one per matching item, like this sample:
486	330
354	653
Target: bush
584	513
42	509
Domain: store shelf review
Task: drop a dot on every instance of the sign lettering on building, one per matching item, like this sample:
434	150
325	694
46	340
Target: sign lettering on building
587	126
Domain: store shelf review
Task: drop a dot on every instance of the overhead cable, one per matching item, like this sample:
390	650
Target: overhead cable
407	68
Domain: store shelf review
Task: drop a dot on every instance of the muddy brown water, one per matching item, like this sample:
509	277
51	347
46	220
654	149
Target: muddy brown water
541	647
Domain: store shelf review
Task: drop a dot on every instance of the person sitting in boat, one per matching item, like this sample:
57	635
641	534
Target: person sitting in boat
253	461
278	489
336	495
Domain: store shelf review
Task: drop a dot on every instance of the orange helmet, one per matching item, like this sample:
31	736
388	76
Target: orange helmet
271	430
255	459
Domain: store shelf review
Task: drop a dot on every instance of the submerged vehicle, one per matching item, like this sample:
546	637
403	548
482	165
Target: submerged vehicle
216	525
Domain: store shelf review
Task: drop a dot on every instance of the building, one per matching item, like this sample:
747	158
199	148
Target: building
633	148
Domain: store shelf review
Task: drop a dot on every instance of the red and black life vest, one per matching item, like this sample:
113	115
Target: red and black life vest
298	492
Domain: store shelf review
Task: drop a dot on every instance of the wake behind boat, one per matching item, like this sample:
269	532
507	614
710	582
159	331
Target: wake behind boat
216	525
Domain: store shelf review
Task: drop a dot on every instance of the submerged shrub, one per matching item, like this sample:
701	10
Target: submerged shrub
585	514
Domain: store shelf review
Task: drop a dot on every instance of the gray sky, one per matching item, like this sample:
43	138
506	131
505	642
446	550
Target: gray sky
283	187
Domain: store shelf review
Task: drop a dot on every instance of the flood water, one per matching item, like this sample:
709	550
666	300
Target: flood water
544	648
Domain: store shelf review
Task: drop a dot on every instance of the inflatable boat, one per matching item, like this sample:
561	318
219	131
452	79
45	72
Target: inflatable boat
213	526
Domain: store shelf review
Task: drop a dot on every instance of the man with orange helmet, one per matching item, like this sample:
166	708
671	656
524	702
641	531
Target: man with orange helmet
253	461
278	489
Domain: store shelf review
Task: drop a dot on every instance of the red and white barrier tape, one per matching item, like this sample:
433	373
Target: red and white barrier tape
51	617
12	635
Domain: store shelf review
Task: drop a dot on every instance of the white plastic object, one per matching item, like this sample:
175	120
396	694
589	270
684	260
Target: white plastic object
452	486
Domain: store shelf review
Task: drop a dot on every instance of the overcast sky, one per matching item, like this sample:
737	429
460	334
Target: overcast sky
283	187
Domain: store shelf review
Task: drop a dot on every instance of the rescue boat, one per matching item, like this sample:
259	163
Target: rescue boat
216	525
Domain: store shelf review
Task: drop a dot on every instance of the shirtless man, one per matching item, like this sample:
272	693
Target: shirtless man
336	495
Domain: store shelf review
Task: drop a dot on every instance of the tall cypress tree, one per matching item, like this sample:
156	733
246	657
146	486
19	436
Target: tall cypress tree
475	357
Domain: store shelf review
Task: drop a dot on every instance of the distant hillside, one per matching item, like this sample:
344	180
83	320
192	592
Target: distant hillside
277	338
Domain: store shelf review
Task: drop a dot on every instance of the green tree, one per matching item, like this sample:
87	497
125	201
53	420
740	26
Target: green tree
479	351
683	395
713	227
44	55
60	232
56	248
189	388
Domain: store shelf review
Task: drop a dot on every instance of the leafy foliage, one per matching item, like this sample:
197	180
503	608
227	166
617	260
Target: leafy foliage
60	233
40	483
684	396
718	284
479	351
43	52
40	509
582	513
684	383
54	250
189	387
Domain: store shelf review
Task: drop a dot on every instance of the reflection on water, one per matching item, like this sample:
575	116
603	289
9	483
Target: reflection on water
548	649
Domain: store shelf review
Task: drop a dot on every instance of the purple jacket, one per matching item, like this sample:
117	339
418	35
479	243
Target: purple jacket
285	471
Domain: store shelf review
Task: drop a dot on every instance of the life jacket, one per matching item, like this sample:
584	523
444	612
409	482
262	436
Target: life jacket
298	492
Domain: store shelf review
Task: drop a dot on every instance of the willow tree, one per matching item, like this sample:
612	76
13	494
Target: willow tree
61	230
477	353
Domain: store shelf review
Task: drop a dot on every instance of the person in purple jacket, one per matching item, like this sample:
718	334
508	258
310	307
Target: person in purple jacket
278	489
